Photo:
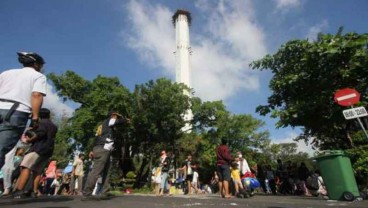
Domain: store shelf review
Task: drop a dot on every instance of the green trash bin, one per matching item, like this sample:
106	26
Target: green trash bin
338	175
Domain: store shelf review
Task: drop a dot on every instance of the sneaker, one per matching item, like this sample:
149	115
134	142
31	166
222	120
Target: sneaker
90	198
34	195
239	195
19	195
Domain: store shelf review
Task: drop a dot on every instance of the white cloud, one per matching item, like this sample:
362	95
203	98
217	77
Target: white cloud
152	34
230	40
302	146
56	106
287	4
314	30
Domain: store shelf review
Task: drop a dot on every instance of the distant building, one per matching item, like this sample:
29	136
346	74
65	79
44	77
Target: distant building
182	20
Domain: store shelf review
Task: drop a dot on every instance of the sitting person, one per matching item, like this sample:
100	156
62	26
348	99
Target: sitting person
214	182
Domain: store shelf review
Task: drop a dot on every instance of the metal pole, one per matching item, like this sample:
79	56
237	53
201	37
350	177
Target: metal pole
361	125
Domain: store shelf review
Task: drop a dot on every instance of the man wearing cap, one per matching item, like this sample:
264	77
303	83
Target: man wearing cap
102	149
21	94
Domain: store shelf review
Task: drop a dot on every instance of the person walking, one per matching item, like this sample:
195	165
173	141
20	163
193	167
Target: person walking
102	149
37	157
50	175
188	172
224	160
77	175
21	94
165	166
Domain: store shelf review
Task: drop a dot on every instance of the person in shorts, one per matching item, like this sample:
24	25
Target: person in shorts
42	147
224	160
188	170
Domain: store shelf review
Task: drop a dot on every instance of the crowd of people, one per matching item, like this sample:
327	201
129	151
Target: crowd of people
28	171
285	179
235	178
27	137
27	143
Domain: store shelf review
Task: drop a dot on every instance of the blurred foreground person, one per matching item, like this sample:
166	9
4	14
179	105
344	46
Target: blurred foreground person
21	94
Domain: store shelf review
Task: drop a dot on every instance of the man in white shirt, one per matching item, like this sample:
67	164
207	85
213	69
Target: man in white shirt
21	94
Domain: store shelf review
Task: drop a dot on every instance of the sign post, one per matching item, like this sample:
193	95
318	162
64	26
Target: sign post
349	97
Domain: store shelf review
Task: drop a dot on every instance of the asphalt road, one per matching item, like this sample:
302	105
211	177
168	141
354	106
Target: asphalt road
200	201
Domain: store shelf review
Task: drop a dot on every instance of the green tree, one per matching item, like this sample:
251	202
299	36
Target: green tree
306	76
96	98
64	146
155	108
158	108
212	122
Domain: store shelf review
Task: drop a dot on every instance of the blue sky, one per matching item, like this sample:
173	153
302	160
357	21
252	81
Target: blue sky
135	40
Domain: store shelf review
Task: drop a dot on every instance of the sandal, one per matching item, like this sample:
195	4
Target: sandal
6	195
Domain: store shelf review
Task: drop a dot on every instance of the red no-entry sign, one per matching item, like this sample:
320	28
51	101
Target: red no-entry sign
347	97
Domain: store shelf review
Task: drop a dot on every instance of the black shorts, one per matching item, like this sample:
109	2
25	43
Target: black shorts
189	178
223	172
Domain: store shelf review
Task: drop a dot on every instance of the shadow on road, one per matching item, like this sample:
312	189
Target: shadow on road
8	202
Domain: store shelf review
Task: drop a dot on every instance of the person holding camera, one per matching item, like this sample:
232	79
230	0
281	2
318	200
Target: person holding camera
104	144
42	148
21	94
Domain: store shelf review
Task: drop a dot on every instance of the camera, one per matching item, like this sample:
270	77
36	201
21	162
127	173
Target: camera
30	134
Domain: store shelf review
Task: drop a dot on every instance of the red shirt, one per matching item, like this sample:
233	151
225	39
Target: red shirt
223	155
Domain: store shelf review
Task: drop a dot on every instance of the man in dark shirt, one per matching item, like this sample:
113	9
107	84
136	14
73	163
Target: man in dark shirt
42	140
224	160
102	149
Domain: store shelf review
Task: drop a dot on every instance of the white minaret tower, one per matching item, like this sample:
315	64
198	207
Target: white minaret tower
182	20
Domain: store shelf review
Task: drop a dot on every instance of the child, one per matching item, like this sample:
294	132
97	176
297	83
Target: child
11	171
235	175
65	181
17	159
156	179
195	181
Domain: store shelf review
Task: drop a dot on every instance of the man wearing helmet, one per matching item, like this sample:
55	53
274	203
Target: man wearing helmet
21	95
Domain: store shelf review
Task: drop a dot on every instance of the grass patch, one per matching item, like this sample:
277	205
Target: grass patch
121	191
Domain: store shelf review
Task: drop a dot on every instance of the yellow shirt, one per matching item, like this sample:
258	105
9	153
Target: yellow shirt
78	165
235	174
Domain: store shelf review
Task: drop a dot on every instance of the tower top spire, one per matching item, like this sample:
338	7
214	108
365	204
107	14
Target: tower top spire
181	12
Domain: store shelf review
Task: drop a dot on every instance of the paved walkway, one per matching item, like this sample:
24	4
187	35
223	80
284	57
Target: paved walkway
200	201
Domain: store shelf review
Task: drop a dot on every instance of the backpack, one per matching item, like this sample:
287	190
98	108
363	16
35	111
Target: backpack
312	182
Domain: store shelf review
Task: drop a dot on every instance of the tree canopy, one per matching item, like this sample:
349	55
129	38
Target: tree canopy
306	76
156	110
